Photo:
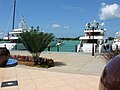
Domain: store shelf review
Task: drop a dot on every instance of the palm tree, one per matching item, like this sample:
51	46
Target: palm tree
36	42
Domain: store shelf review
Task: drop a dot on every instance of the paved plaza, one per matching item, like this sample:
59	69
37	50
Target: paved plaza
72	71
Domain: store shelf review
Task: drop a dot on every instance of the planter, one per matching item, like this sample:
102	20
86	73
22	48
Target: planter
4	56
110	78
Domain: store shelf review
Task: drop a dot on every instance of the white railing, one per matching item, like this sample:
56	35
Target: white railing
9	46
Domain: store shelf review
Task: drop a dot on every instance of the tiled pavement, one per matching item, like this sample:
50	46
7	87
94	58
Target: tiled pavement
71	62
36	79
78	72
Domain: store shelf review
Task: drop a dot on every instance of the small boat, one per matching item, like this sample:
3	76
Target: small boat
55	42
60	42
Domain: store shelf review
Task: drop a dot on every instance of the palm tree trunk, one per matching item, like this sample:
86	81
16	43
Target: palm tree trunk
36	58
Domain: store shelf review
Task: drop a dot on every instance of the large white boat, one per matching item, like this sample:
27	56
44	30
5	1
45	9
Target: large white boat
12	42
94	37
116	42
12	39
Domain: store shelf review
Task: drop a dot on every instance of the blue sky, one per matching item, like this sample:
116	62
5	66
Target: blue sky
64	18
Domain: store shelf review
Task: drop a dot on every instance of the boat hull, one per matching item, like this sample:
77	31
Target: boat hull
9	46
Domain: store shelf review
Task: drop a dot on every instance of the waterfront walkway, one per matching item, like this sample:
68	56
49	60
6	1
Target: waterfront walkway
73	71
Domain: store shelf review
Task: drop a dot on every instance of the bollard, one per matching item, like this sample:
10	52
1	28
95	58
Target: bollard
48	48
57	48
75	48
16	47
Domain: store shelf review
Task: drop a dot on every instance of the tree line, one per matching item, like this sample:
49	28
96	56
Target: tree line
68	38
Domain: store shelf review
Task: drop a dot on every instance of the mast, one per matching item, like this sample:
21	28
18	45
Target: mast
13	26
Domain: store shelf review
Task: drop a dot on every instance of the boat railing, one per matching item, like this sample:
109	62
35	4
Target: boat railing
94	29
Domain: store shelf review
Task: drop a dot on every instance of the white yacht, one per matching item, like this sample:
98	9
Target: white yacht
12	42
116	42
94	37
12	39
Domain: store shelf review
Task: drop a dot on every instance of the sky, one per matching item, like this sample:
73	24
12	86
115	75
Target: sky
64	18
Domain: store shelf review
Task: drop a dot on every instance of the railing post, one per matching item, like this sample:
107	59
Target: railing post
16	47
57	48
93	42
75	48
48	48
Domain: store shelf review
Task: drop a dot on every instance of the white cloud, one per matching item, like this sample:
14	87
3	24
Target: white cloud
1	33
103	4
69	7
66	27
59	26
109	11
55	25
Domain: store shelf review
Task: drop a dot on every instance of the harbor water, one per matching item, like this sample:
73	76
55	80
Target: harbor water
67	46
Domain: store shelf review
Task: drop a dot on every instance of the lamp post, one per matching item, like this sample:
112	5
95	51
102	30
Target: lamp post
93	41
37	28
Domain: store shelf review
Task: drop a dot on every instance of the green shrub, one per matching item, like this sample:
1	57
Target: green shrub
110	55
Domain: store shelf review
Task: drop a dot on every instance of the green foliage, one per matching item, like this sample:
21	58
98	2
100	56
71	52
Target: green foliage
110	38
68	38
110	55
36	42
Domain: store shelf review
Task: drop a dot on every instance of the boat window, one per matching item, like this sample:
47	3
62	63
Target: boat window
96	34
90	41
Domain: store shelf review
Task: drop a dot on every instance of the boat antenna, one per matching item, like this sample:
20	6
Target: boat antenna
14	14
94	19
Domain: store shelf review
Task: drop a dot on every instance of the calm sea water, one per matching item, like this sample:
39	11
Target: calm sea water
68	46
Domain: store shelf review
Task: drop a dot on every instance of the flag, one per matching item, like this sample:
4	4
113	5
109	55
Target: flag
89	35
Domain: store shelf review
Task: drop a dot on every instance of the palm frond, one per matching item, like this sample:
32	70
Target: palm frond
36	42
